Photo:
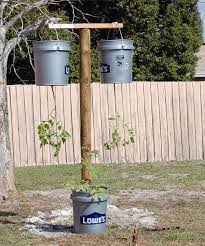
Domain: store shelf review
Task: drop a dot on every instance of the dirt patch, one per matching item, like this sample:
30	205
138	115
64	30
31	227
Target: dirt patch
55	216
177	175
148	177
130	217
58	194
152	195
59	222
202	184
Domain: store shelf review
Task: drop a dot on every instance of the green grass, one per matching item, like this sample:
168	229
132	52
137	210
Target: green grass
189	214
115	176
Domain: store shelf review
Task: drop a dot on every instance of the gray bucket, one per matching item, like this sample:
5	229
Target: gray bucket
115	58
51	61
89	213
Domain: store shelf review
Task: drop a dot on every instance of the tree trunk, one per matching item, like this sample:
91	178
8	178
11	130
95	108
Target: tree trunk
6	165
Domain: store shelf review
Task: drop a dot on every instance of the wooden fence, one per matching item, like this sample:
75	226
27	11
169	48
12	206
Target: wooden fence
168	119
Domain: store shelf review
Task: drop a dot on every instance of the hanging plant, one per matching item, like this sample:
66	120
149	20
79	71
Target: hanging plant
52	133
116	125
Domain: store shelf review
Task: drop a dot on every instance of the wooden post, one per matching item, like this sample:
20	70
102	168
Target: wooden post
85	87
85	103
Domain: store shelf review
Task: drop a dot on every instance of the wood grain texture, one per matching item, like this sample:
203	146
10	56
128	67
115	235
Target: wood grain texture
51	104
184	120
113	25
22	124
198	120
85	102
75	111
156	122
120	113
15	122
68	124
177	122
191	121
60	118
10	122
142	123
135	121
127	120
149	122
92	127
111	113
97	122
44	116
104	121
170	120
163	121
37	120
203	116
28	94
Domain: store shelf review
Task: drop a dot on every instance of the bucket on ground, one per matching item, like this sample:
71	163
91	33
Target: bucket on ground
51	62
115	60
89	213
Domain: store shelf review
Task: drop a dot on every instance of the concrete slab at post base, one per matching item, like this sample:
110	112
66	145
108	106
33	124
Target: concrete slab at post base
89	214
51	61
115	60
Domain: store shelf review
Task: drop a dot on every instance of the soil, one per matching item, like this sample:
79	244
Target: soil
49	213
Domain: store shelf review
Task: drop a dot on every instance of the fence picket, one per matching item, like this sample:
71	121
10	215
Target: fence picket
75	109
15	127
184	120
168	119
105	121
142	126
37	119
163	121
60	108
44	116
156	122
203	116
191	121
10	116
127	121
119	112
68	125
29	125
97	122
198	120
135	121
177	122
149	122
21	124
112	112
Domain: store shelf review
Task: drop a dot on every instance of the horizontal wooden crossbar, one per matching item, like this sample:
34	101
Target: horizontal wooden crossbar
114	25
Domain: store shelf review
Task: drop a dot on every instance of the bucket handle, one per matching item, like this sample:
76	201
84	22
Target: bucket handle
57	37
122	39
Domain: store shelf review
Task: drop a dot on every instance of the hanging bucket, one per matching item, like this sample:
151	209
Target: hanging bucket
51	61
115	58
89	213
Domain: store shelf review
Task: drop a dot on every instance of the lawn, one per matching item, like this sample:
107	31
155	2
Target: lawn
173	191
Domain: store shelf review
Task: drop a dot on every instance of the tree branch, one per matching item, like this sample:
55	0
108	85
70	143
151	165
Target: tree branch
25	32
25	11
3	5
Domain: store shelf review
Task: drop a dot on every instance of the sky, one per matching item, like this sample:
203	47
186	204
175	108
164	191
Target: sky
202	11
